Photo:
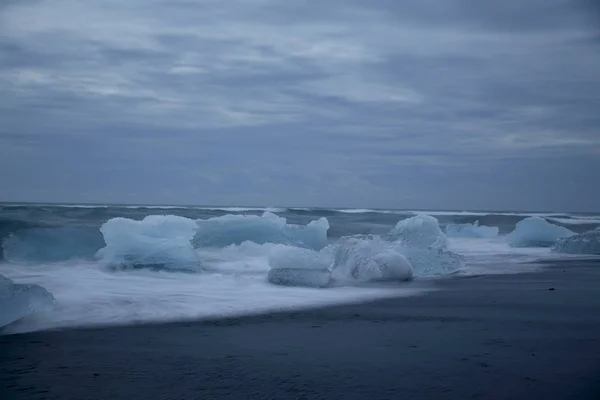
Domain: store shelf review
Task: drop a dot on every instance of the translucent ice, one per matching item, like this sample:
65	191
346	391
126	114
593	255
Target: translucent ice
536	232
583	243
157	241
419	231
471	230
369	260
19	300
423	243
268	228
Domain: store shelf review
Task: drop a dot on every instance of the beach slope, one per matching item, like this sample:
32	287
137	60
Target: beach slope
492	337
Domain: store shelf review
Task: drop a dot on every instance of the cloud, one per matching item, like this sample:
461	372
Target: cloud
343	103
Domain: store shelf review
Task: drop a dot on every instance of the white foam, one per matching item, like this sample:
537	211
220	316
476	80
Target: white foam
89	295
576	220
356	210
471	230
485	256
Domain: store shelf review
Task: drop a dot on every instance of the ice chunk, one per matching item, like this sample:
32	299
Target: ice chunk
52	244
583	243
268	228
294	266
423	243
369	260
157	241
536	232
20	300
432	261
471	230
419	231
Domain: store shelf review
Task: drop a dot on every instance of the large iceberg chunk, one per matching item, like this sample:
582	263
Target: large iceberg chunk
369	260
421	231
473	230
20	300
52	244
157	241
583	243
294	266
268	228
536	232
421	240
432	261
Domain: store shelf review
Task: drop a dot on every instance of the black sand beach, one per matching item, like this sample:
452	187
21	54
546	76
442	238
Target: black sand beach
528	336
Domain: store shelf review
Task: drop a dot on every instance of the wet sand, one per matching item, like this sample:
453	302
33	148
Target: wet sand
527	336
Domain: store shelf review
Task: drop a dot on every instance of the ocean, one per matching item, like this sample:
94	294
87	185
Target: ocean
97	265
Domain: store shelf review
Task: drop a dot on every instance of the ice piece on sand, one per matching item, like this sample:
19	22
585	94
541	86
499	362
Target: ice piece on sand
536	232
370	260
20	300
157	241
419	231
583	243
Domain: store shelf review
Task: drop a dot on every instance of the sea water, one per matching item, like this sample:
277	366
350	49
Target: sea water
82	265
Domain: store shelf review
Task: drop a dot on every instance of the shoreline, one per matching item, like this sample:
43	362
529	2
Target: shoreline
534	334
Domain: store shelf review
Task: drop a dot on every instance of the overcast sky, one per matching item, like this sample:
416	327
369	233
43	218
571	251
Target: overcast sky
430	104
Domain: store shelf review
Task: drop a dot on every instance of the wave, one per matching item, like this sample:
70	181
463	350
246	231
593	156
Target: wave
51	244
473	230
53	233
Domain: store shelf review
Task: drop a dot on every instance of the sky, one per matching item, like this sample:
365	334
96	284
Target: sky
419	104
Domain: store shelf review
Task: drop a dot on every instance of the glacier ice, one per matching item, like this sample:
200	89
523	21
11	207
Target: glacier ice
536	232
432	261
583	243
268	228
369	260
52	244
473	230
157	241
421	240
421	231
295	266
20	300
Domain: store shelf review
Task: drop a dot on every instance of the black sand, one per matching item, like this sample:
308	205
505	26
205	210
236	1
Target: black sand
495	337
